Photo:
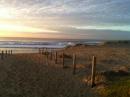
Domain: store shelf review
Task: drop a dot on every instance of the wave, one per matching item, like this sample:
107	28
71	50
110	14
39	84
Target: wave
44	44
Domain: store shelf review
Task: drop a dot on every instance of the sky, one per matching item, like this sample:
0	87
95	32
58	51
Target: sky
71	19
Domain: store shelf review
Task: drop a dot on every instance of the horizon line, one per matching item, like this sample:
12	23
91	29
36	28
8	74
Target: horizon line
29	38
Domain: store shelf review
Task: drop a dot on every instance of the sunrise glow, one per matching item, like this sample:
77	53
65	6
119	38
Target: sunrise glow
47	18
5	13
11	27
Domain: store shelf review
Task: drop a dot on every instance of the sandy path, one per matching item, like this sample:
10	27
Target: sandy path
23	76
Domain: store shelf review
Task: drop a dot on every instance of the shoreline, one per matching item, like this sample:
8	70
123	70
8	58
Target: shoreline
36	49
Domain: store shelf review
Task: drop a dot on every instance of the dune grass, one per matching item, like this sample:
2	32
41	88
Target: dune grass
117	88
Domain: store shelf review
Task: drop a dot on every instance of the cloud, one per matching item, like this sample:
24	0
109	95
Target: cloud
113	28
115	11
71	15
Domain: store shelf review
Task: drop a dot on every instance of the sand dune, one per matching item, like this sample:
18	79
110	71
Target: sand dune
29	75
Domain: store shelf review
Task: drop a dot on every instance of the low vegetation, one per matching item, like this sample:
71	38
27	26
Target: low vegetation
118	42
118	86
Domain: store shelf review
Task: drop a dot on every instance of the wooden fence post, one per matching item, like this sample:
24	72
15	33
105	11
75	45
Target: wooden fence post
40	57
45	51
74	63
47	55
56	57
51	55
11	52
63	60
6	53
2	55
39	51
93	71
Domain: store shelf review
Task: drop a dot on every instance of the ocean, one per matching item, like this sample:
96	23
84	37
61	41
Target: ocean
30	45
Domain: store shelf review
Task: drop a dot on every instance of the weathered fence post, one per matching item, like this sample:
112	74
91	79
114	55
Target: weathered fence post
6	53
45	51
93	71
74	63
56	57
39	51
47	56
51	55
47	61
11	52
63	60
2	55
39	58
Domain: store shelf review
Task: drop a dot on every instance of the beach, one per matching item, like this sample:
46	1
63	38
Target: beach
35	75
64	48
